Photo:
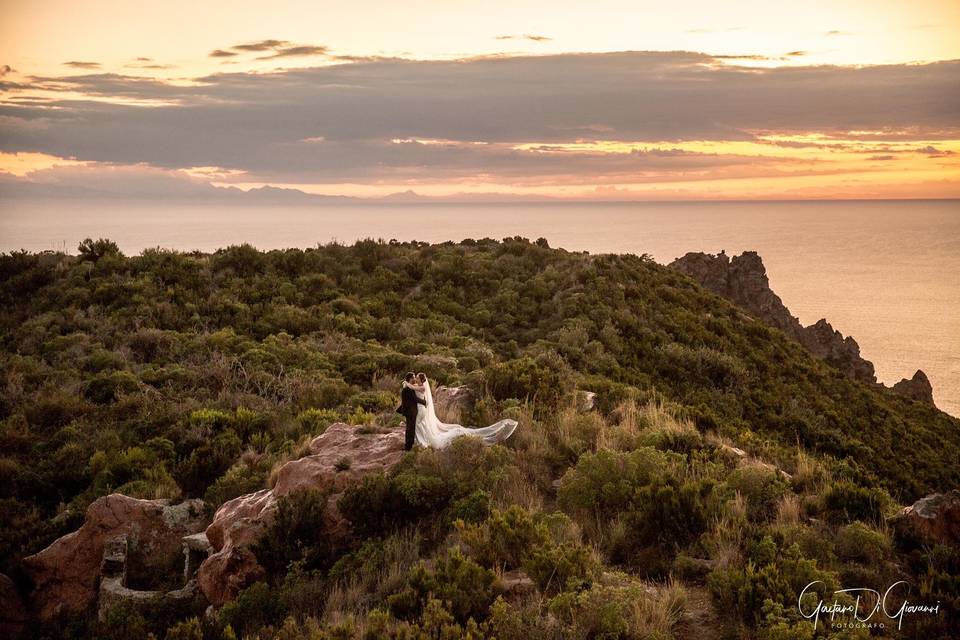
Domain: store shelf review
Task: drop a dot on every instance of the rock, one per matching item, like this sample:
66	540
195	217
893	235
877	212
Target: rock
586	401
825	342
743	280
516	583
934	518
733	451
451	403
66	574
240	523
916	388
13	613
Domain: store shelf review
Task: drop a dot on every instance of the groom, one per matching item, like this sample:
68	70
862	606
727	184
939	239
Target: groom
408	408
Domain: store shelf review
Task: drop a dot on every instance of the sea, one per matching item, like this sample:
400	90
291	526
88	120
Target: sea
885	272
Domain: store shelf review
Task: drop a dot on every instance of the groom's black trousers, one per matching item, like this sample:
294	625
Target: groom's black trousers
411	433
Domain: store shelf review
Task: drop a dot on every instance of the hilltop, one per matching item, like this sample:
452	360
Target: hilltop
665	431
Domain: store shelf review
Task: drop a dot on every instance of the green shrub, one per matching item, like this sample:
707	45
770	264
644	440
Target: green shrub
762	487
315	421
548	549
605	483
859	543
107	387
846	502
382	503
465	586
743	591
542	380
474	507
253	608
239	479
208	462
298	535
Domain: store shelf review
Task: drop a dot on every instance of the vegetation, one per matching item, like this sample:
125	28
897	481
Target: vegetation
173	375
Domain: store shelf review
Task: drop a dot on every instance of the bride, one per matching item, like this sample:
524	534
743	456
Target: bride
437	435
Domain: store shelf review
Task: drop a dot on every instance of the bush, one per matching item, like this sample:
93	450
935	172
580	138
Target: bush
846	502
548	549
542	380
298	535
254	607
382	503
859	543
779	578
605	483
108	387
763	488
208	462
465	586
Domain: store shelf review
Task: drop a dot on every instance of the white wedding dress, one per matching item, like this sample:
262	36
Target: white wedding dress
437	435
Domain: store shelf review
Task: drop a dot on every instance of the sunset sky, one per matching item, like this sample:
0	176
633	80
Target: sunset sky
600	100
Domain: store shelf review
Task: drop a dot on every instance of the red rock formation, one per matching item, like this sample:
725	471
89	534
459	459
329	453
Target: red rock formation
241	522
67	573
934	518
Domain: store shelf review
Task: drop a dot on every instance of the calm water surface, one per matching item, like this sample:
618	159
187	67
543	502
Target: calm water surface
883	272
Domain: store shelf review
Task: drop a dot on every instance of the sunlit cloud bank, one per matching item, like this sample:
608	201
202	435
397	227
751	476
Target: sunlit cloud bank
608	126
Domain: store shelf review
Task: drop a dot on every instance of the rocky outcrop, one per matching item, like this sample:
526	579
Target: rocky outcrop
743	280
825	342
13	613
66	575
452	403
916	388
935	518
340	457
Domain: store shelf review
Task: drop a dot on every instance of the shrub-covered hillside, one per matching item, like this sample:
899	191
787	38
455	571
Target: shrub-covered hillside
190	375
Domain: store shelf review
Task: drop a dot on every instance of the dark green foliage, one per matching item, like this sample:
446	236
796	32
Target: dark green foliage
543	380
474	507
382	503
846	502
296	535
644	491
255	607
772	574
466	587
761	487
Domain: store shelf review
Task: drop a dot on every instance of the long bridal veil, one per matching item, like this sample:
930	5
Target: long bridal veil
437	434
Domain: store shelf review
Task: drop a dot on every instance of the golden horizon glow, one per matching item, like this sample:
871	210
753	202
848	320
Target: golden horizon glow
45	47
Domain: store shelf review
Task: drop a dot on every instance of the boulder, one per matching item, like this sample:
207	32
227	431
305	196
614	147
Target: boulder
66	574
13	613
516	583
935	518
916	388
340	457
451	403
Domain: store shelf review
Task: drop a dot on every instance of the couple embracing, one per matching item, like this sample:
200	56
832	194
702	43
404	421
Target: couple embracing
423	426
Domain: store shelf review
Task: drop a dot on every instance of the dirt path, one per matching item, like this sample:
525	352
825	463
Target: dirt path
700	621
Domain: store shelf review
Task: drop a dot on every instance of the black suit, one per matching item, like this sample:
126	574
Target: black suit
408	409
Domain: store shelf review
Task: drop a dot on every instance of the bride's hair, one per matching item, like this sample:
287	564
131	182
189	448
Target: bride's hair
422	377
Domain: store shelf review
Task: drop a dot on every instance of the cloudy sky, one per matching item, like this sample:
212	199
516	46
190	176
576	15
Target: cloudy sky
599	100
